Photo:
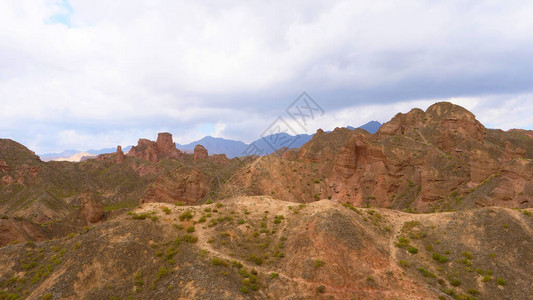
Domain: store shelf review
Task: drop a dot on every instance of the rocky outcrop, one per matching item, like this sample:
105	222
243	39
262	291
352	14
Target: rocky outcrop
91	208
18	230
220	158
438	159
4	168
200	152
186	184
151	151
120	154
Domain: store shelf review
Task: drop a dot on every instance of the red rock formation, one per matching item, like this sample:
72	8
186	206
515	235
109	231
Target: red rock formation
220	158
3	166
120	154
200	152
154	151
187	185
91	208
442	158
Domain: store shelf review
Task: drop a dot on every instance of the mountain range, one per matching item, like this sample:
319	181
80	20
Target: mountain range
231	148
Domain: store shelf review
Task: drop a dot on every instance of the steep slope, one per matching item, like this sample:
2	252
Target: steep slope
261	248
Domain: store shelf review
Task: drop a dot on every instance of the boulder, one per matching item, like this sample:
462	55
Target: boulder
91	208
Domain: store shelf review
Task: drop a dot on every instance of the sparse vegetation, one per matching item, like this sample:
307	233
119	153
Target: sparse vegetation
186	215
318	263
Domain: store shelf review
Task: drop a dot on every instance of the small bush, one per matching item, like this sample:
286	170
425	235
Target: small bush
256	259
190	229
440	258
274	275
162	272
321	289
405	264
412	250
473	292
186	215
5	216
166	210
319	263
241	221
218	262
501	281
47	296
190	238
486	278
467	255
245	289
454	281
138	280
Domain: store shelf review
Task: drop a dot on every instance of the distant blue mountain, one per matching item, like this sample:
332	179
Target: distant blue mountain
371	127
274	142
217	146
231	148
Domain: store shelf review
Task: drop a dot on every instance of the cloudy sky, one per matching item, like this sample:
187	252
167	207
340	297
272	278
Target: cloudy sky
79	74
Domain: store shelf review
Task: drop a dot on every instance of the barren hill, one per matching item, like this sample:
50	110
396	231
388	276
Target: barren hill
259	248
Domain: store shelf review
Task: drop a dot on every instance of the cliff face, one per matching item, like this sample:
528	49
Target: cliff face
436	160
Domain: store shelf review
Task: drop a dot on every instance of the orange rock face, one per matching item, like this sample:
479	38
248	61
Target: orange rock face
200	152
440	159
187	185
120	155
154	151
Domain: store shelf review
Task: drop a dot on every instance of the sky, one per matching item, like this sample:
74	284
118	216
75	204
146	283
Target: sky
93	74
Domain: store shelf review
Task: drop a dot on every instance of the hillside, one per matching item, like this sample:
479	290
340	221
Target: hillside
431	206
259	248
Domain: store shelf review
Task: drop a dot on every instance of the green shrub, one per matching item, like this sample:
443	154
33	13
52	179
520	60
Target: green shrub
439	257
321	289
501	281
424	272
190	238
473	292
138	280
166	210
273	275
162	272
186	215
402	242
190	229
486	278
241	221
412	250
47	296
467	255
319	263
218	262
5	216
256	259
454	281
245	289
405	264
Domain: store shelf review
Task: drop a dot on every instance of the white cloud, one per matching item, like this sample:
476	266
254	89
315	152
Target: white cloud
137	67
